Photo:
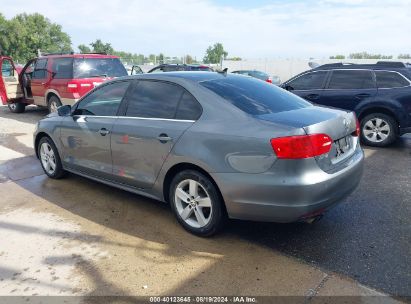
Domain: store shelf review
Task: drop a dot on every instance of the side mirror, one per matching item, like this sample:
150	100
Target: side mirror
64	110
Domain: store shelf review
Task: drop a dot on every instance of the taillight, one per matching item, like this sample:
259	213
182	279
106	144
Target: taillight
301	146
72	87
357	128
269	80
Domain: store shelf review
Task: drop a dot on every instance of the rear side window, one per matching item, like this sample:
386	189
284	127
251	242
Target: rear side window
309	81
154	99
62	68
351	79
254	96
98	67
386	80
40	69
188	108
104	101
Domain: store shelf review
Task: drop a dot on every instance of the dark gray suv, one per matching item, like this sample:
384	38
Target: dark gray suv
211	144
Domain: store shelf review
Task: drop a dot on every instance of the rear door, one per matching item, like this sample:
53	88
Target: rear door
347	88
308	86
39	81
85	136
157	113
62	69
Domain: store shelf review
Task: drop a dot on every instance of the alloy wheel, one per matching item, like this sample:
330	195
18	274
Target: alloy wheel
48	159
193	203
376	130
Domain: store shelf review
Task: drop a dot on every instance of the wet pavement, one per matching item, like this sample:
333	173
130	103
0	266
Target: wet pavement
80	237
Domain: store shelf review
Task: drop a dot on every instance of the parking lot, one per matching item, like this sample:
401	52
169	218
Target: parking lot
83	238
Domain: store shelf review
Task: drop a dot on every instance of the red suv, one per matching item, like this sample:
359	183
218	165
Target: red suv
55	79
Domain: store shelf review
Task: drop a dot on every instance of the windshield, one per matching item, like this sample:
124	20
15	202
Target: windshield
98	67
254	96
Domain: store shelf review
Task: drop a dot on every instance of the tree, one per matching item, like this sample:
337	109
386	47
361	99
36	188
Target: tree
188	59
161	58
101	47
215	53
84	49
404	56
23	35
235	59
365	55
337	57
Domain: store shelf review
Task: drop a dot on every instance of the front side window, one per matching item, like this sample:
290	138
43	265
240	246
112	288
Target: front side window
309	81
7	69
154	99
351	79
40	69
254	96
388	80
62	68
98	67
105	101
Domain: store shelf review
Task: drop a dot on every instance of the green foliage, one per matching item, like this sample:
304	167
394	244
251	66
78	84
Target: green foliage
188	59
23	35
365	55
84	49
337	57
235	59
101	47
404	56
215	53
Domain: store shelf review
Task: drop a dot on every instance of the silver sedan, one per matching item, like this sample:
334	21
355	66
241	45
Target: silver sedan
213	145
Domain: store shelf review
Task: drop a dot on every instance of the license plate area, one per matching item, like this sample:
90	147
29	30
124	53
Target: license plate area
343	146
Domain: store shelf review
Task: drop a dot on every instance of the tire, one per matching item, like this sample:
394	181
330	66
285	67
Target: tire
47	152
202	221
17	107
53	103
378	130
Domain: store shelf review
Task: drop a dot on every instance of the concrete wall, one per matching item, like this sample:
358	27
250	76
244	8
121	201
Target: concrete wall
286	68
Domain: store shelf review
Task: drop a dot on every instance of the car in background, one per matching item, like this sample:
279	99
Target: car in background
52	80
259	75
379	94
211	144
180	67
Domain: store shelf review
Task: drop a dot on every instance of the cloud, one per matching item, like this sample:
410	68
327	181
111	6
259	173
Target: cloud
283	29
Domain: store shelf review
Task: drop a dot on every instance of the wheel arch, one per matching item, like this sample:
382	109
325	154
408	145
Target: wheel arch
175	169
39	136
50	93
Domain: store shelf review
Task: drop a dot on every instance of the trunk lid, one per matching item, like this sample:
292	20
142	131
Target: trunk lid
339	125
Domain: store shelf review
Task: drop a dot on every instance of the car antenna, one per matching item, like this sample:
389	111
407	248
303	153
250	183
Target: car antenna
223	71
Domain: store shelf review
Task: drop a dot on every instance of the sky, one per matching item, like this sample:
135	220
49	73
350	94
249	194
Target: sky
248	29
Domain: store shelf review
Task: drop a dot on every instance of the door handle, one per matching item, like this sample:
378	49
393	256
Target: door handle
362	95
103	131
313	96
163	138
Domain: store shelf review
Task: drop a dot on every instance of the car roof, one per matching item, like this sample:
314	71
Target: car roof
182	75
381	65
90	55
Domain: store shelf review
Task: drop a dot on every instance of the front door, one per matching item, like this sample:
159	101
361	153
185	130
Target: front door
347	88
143	138
85	136
10	89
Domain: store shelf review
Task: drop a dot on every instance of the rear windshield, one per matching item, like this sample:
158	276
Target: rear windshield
254	96
98	67
201	68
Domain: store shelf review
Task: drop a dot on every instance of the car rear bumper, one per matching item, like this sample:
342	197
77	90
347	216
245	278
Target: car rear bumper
274	198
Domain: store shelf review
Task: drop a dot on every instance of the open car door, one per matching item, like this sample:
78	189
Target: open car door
10	89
